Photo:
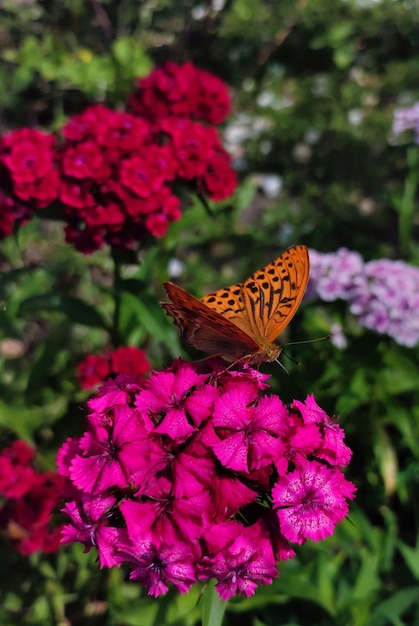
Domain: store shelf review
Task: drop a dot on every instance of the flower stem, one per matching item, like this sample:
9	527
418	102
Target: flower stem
213	607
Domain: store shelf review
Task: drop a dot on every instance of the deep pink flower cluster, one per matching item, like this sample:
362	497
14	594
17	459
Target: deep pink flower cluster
95	368
183	91
28	499
29	179
190	476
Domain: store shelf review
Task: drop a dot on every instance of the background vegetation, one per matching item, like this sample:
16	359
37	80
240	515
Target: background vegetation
315	84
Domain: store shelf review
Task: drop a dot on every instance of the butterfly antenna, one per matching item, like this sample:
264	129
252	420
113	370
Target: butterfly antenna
298	343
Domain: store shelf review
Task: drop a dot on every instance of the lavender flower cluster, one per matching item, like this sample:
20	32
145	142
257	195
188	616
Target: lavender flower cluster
407	119
383	295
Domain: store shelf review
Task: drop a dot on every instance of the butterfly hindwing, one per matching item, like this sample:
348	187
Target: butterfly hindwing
204	328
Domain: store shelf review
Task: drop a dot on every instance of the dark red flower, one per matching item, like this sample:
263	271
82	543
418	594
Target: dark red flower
16	469
76	193
29	177
30	499
129	360
138	175
124	132
214	101
43	191
157	224
194	145
93	370
107	215
85	239
28	520
117	168
85	160
219	180
28	155
182	90
12	214
87	125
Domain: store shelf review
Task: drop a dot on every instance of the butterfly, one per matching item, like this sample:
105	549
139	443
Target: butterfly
242	322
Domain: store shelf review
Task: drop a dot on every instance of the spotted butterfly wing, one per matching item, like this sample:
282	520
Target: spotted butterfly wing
242	321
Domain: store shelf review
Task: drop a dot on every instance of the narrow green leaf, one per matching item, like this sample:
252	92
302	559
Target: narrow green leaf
213	607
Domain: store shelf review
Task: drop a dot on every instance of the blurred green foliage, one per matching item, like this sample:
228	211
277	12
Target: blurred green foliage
315	84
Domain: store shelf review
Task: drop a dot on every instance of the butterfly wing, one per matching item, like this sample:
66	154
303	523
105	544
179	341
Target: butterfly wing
205	328
266	302
273	294
229	302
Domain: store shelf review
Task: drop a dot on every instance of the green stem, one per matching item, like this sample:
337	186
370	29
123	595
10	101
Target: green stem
407	204
115	335
213	607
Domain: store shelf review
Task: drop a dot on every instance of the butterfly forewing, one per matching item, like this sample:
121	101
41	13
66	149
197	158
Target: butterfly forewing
229	302
273	294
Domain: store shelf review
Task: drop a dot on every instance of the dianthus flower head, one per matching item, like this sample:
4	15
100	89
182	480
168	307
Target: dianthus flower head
119	171
28	502
184	91
383	294
95	368
28	174
195	474
114	173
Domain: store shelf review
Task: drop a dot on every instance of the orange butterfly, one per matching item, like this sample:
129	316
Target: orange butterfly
243	321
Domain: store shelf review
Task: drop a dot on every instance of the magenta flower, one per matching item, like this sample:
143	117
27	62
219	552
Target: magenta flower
310	501
189	476
170	405
240	559
331	448
157	568
90	525
113	449
249	435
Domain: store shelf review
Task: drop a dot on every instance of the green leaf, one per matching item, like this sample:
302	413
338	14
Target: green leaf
411	557
130	54
394	607
213	607
24	421
75	309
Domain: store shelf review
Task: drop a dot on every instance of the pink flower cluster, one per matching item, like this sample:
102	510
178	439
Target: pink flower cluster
383	294
28	501
116	172
190	476
95	368
29	178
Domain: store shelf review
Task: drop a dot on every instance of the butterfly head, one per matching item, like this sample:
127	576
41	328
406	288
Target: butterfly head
268	352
